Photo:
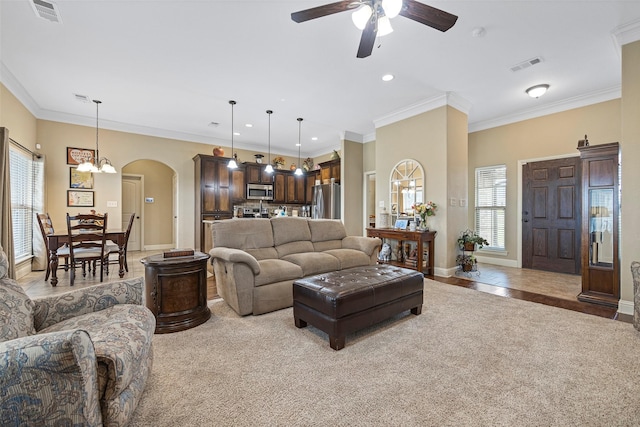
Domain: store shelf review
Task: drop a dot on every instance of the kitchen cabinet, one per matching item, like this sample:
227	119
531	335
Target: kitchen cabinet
238	187
213	199
295	188
310	181
330	169
600	215
255	174
279	186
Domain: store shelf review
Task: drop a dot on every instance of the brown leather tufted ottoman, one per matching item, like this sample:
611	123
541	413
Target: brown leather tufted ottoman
342	302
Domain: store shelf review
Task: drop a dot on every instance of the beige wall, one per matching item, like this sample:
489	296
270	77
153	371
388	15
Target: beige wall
630	146
544	137
424	138
158	183
369	156
351	171
15	117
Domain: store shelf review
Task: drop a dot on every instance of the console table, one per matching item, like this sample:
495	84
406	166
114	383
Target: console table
423	240
176	291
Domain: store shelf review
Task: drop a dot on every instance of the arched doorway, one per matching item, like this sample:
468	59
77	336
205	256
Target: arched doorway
148	189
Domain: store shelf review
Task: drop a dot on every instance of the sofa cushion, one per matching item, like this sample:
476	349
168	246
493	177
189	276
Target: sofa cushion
350	257
243	233
290	229
16	311
326	229
327	245
294	248
277	270
314	262
263	253
121	337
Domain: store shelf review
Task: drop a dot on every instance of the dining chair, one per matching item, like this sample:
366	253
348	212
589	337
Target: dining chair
112	248
87	241
46	227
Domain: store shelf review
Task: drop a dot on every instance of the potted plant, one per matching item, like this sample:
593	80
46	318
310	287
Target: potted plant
469	239
466	262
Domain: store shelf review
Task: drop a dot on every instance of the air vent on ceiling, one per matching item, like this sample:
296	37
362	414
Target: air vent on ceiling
46	10
82	98
526	64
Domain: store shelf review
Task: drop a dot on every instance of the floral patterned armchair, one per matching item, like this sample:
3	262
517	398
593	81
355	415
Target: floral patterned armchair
78	358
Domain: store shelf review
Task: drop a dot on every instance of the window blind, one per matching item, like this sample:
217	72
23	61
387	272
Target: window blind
491	203
21	170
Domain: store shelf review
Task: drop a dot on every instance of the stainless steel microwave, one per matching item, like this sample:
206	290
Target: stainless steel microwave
260	191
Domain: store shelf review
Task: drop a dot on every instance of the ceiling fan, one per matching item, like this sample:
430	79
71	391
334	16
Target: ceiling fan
373	17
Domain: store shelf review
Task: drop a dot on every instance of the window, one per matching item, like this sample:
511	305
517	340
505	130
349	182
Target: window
22	170
491	203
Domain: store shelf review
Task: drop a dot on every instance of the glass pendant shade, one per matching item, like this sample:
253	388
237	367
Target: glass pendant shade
361	16
232	163
384	26
391	8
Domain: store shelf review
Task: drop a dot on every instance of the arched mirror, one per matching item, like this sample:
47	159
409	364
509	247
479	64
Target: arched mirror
406	187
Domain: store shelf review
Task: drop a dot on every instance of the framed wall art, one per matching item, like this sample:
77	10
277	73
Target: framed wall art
79	179
79	198
75	156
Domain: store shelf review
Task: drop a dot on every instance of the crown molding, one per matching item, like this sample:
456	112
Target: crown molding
15	87
556	107
449	98
626	33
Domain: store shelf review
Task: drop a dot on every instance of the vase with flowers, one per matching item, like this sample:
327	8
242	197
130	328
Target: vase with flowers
424	210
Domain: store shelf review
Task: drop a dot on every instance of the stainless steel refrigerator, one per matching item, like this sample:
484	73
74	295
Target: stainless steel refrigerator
326	201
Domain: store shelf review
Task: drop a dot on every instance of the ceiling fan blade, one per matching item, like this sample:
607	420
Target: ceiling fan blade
427	15
320	11
367	40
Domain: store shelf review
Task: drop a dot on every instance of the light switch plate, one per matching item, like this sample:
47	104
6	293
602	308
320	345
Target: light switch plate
453	201
381	204
463	203
112	203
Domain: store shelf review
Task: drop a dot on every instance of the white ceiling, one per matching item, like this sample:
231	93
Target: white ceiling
169	67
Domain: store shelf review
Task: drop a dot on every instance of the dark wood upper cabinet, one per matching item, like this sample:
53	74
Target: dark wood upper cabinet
279	187
330	169
295	188
255	174
600	215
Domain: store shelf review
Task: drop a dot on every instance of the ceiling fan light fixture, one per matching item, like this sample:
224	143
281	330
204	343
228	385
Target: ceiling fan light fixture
361	16
384	26
392	7
537	91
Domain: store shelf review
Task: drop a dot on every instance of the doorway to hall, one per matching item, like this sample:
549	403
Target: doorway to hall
551	215
149	191
369	203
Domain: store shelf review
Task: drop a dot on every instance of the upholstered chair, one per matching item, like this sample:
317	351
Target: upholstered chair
76	358
635	272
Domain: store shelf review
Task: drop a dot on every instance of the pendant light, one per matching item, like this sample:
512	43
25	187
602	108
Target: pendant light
232	163
269	168
99	165
298	170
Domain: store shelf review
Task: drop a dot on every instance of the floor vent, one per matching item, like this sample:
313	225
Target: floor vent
46	10
526	64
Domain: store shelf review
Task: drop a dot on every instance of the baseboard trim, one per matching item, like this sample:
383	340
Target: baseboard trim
625	307
497	261
158	247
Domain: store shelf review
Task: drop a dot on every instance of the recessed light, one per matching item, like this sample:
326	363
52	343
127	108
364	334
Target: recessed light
298	144
315	138
387	77
236	133
249	125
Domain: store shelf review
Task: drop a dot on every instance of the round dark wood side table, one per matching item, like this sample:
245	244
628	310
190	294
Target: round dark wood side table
176	291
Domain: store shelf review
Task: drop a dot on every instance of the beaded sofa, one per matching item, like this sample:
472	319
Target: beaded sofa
77	358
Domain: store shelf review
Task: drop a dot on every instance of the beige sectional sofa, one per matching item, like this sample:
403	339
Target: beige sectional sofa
256	261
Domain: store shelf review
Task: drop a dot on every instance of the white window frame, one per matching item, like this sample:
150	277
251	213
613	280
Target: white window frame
23	204
491	205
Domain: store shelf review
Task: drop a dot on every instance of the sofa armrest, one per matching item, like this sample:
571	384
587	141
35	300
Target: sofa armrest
56	308
50	377
235	256
365	244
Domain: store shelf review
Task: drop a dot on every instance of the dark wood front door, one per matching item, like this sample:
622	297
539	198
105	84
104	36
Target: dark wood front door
551	202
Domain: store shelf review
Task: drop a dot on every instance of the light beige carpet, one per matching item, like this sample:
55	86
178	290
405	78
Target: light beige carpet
470	359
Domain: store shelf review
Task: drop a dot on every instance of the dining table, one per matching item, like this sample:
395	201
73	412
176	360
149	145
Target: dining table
56	240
